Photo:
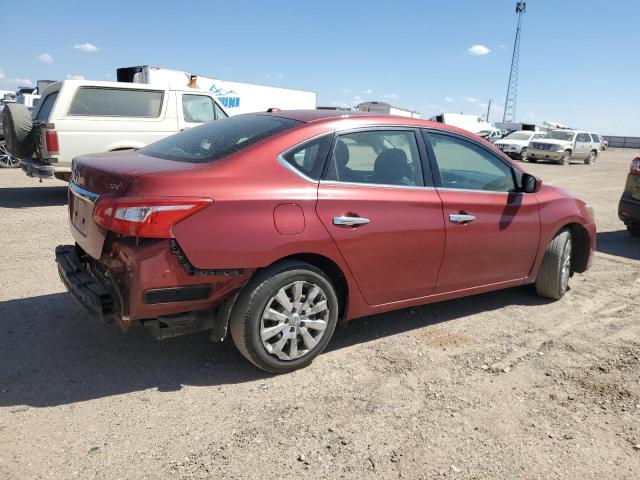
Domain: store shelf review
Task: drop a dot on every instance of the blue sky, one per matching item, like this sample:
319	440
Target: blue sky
579	59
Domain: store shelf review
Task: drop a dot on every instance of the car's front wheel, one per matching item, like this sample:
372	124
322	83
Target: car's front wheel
523	154
285	316
555	270
566	158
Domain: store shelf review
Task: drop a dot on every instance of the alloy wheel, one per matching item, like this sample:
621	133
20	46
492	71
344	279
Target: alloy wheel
6	159
523	154
566	158
565	271
294	320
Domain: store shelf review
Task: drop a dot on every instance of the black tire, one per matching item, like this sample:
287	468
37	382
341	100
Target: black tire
633	229
591	160
566	158
555	270
247	315
18	130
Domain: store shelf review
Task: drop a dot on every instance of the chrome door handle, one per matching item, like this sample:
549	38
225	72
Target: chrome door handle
461	218
350	221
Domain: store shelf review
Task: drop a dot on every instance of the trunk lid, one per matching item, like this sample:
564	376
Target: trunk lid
107	174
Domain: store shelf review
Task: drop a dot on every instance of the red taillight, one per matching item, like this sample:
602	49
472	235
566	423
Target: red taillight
51	137
635	166
146	216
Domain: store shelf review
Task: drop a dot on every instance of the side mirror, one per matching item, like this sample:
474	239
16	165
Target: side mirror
530	184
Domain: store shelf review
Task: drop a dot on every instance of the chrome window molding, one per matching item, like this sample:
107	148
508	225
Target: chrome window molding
291	168
374	185
468	190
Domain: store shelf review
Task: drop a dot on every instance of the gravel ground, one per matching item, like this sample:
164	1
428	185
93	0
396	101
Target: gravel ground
500	385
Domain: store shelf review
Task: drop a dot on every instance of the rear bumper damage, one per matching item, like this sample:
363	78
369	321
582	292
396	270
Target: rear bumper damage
142	283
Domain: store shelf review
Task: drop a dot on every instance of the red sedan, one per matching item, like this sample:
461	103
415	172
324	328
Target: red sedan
276	225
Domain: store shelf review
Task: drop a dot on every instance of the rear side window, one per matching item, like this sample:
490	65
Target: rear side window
308	158
116	102
215	140
595	137
381	157
198	109
47	106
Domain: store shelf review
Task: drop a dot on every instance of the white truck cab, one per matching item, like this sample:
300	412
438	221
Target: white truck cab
76	117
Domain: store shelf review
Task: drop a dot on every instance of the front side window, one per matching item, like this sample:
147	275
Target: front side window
596	138
309	157
382	157
583	137
116	102
215	140
198	109
467	166
219	112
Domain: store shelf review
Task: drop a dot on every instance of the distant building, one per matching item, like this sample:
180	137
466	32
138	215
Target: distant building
386	109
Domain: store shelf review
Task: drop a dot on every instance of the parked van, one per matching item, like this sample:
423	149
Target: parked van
77	117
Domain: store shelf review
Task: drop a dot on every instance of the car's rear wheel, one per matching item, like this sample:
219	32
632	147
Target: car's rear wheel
634	229
566	158
592	158
555	270
285	316
523	154
6	159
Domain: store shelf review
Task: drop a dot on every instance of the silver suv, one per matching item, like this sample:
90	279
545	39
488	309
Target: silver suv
562	146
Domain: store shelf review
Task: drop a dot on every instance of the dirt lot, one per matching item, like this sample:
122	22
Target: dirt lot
501	385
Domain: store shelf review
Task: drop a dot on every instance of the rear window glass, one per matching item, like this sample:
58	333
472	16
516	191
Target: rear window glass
47	106
116	102
215	140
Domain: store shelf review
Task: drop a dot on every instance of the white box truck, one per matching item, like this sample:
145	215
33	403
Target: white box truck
236	97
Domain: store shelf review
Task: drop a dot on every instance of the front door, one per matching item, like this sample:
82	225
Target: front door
385	219
492	231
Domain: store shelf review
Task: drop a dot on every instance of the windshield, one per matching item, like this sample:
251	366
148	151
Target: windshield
518	136
218	139
559	135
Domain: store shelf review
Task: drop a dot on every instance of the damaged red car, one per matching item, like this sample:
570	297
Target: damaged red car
274	227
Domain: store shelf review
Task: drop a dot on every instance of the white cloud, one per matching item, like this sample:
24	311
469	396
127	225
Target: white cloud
75	77
448	99
45	57
482	105
86	47
390	95
2	75
357	98
470	99
368	91
23	82
478	50
502	46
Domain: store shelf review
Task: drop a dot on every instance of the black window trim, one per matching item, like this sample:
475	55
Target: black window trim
427	174
515	173
99	87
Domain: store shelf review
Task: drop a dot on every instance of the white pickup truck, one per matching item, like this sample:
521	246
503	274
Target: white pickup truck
76	117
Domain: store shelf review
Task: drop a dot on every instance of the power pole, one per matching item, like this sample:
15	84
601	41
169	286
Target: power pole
489	109
512	87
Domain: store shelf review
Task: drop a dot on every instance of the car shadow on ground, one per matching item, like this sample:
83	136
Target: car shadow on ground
52	354
23	197
620	244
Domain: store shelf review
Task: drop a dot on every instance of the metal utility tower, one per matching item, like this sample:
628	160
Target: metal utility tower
512	87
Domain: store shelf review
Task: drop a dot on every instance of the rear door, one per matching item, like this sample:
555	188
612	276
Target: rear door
583	145
196	108
492	231
378	202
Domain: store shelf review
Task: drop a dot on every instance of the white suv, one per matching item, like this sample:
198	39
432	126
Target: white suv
77	117
516	144
562	146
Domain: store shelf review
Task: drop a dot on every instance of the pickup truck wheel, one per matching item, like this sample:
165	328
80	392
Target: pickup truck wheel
554	273
18	130
592	158
566	158
284	317
6	159
523	154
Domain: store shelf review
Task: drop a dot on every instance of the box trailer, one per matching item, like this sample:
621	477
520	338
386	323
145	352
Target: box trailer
469	122
236	97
